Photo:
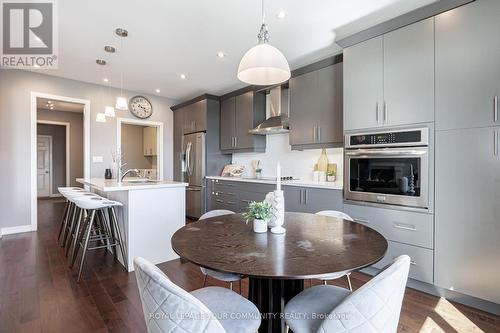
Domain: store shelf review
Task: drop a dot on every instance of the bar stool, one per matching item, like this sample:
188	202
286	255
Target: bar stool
64	191
99	226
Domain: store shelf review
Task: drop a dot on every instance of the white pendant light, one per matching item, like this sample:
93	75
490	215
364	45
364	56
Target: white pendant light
109	111
100	118
263	64
121	102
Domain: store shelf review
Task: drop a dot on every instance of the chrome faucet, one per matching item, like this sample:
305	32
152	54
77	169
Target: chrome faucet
127	172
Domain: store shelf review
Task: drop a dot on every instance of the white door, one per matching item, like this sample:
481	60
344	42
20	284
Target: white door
44	152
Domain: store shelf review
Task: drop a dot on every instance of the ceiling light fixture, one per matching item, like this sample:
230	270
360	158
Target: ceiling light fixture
105	79
101	62
281	14
109	111
109	49
157	90
183	76
221	54
100	117
121	102
263	64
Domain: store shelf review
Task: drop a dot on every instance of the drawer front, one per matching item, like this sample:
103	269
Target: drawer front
247	197
396	225
323	199
422	263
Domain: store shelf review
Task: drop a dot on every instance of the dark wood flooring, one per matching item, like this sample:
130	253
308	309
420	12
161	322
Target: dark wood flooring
38	293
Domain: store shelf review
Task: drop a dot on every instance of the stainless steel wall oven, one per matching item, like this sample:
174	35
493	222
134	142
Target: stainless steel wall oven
388	167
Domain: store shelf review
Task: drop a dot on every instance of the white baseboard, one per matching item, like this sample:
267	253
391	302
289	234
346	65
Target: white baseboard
16	230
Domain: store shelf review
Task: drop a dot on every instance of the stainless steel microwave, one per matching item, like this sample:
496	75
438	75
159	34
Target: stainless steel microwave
388	167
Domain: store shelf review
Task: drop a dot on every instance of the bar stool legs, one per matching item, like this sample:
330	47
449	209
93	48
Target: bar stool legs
118	236
87	231
64	220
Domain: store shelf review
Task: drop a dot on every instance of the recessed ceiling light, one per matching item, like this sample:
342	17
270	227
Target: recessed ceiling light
50	102
101	62
183	76
221	54
36	66
157	90
281	14
109	49
105	79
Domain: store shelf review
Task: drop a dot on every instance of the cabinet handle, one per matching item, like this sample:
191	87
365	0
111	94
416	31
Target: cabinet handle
305	197
219	200
245	201
231	202
361	221
314	133
235	142
229	193
495	109
405	226
319	133
495	143
386	113
377	112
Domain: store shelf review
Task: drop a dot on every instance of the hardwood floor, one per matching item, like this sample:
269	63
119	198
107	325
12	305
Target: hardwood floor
38	293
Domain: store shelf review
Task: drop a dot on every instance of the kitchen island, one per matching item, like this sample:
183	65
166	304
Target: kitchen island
152	211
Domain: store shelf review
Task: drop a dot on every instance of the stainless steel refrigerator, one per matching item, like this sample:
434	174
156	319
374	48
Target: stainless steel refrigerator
194	172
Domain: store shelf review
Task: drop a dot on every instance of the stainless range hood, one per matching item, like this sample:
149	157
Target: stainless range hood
277	122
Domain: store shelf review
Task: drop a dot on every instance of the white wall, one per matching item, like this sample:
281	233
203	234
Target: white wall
15	89
294	163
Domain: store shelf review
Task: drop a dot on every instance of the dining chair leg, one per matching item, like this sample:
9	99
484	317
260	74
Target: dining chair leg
310	283
349	281
287	329
231	285
205	280
240	288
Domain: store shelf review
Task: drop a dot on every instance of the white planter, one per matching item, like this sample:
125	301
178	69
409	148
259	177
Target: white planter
259	226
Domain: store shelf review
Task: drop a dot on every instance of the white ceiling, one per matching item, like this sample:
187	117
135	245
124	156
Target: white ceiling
168	38
43	104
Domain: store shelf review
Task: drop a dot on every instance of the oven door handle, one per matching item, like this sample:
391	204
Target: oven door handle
387	152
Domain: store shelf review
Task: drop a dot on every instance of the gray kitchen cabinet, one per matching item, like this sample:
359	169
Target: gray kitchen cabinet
227	123
409	74
468	74
467	249
316	100
234	195
363	84
312	200
178	133
195	117
389	80
239	114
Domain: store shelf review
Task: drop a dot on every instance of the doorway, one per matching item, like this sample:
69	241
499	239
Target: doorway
60	134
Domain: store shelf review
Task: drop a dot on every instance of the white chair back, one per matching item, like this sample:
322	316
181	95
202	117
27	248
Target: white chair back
334	213
214	213
169	308
376	306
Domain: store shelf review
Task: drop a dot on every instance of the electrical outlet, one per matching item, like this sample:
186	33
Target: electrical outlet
97	159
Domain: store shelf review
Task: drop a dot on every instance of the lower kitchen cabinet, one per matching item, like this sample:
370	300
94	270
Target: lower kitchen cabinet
312	200
407	232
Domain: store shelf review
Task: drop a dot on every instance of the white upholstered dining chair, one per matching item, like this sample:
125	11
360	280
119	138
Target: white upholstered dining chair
226	277
338	275
170	309
373	308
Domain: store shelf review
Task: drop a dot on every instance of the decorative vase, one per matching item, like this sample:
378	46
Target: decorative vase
323	161
259	226
108	174
277	201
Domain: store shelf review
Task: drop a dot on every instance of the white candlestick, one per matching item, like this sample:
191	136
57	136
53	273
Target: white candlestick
278	177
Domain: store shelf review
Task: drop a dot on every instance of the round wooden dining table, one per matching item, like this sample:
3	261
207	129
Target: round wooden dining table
277	264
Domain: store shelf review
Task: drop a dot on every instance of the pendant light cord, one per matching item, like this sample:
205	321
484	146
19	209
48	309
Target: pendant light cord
263	13
263	35
121	65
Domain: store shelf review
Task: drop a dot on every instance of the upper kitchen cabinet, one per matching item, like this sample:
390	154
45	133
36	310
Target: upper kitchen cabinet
195	117
178	133
316	100
409	74
149	141
363	84
389	80
239	114
468	66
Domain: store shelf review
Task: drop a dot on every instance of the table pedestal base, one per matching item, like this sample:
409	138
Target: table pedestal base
270	297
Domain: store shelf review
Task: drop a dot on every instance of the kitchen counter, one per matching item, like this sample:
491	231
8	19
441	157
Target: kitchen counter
337	185
111	185
151	213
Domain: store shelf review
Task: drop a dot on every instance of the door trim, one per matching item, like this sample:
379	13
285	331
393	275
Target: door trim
68	148
86	144
159	138
50	162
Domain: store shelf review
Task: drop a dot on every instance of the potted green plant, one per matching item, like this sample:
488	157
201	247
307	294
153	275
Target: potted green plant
260	212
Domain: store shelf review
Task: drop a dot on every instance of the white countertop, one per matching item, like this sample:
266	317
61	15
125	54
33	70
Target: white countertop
337	185
111	185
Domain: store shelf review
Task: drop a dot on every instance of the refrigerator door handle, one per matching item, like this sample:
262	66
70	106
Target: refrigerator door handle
193	189
188	158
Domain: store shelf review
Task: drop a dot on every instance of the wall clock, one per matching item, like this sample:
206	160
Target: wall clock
140	107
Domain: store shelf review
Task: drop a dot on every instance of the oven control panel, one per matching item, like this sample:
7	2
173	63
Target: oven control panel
409	137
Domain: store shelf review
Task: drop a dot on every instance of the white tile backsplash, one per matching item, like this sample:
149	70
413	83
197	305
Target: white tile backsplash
294	163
